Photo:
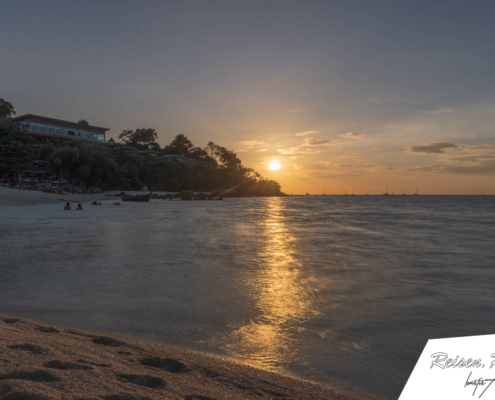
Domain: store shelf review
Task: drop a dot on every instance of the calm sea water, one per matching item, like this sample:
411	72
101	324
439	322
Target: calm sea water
340	290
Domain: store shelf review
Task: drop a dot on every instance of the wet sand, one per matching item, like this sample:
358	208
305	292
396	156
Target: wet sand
41	362
15	197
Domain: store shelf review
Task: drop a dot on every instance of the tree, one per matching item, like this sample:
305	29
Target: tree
83	122
6	109
227	158
268	187
116	168
180	145
18	151
197	153
212	150
63	158
143	139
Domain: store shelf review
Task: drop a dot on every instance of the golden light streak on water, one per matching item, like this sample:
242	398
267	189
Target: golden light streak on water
281	297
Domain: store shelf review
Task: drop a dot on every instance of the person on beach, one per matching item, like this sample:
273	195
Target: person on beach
79	207
92	191
67	206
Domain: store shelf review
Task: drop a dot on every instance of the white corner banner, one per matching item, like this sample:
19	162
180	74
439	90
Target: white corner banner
454	369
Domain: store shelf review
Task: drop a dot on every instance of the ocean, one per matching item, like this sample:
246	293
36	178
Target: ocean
342	290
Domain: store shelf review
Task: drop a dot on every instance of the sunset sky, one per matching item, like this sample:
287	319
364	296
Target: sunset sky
349	95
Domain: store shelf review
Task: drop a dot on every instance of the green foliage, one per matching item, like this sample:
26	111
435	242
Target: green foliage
6	109
83	122
208	169
180	145
18	151
142	139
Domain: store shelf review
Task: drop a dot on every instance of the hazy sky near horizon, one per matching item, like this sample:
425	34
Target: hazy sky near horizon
344	94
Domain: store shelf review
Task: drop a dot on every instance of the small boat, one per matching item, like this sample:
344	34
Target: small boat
141	198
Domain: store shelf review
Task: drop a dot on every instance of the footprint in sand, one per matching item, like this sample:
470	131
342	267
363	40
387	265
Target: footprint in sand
124	397
148	381
57	364
107	341
39	375
165	364
11	320
78	333
5	388
209	373
23	395
47	329
95	364
28	347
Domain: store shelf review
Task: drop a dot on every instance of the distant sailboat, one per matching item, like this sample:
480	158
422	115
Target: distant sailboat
352	192
416	194
403	194
345	194
386	191
367	194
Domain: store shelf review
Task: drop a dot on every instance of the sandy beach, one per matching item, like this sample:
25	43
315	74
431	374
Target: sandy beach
16	197
41	362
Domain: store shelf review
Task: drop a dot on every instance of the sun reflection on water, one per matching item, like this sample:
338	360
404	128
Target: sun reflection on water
282	299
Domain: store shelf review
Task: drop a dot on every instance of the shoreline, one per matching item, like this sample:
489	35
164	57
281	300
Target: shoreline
42	361
17	197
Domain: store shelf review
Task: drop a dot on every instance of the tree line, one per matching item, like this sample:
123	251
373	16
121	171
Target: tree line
212	168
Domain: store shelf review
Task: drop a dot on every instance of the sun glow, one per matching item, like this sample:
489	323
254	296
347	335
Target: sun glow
274	165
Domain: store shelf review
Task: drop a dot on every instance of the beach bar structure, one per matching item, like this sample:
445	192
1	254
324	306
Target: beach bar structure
40	126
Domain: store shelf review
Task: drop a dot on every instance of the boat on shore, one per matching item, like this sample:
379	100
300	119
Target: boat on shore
141	198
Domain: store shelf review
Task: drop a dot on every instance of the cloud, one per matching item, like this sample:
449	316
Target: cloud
305	133
251	142
308	142
432	148
352	135
486	167
296	110
237	151
317	142
297	150
262	150
328	168
468	160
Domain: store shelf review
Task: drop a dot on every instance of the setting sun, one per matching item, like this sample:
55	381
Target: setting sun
274	165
